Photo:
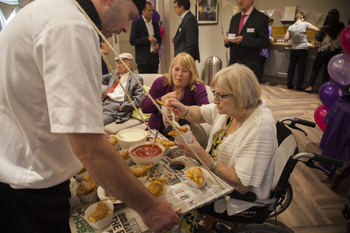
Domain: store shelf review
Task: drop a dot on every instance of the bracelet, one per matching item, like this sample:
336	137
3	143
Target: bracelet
188	111
212	168
212	164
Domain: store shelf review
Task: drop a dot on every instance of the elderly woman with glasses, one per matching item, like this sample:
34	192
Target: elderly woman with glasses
242	141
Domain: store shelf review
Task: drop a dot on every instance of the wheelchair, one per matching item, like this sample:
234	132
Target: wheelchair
282	193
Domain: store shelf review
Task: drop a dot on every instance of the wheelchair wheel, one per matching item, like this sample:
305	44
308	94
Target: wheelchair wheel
258	228
283	202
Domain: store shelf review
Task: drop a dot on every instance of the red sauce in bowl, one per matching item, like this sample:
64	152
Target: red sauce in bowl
146	151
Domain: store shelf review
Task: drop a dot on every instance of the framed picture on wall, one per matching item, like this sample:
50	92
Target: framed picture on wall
207	11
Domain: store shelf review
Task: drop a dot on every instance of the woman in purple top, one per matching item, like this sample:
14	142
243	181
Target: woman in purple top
181	83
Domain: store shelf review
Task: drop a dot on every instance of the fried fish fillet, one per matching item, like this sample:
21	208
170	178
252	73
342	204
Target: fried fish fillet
99	214
156	187
141	170
87	186
113	140
125	154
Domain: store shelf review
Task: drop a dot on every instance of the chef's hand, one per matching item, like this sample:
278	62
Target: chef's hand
237	40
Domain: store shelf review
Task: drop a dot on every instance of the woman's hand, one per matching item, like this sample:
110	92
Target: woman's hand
178	108
168	96
202	154
177	118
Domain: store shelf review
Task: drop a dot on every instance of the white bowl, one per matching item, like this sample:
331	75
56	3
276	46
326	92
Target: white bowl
81	176
144	161
103	223
90	197
142	179
126	143
187	135
194	184
101	193
165	190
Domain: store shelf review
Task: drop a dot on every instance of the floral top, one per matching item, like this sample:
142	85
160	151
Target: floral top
327	43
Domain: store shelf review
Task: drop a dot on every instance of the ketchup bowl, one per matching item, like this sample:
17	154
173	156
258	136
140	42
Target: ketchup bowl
141	153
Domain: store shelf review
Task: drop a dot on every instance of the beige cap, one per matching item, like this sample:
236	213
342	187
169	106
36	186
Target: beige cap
125	56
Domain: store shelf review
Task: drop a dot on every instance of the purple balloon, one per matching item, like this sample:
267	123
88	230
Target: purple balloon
339	68
161	50
329	92
155	16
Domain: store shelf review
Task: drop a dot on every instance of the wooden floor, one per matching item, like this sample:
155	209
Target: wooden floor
315	207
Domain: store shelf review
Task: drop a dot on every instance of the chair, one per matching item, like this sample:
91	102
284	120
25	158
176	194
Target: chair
287	147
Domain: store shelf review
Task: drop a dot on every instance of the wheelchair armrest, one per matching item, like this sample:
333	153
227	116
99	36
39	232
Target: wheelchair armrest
248	196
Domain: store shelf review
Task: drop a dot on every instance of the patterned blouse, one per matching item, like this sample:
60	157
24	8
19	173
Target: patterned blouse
297	32
327	43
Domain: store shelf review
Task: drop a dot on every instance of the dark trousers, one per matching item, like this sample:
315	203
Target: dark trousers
322	58
297	56
151	67
261	68
104	67
35	210
242	217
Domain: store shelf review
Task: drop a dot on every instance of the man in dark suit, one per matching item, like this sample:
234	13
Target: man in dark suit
251	35
145	36
186	37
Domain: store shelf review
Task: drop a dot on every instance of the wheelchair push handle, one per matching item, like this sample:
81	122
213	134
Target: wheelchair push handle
328	160
305	122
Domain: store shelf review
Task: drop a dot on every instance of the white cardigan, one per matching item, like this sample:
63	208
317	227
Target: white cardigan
250	151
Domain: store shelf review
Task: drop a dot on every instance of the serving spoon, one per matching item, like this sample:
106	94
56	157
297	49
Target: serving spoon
155	138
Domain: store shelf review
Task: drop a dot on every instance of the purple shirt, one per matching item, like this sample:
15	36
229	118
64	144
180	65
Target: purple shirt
198	97
265	52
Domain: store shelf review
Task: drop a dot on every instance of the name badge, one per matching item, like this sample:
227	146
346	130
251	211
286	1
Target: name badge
251	30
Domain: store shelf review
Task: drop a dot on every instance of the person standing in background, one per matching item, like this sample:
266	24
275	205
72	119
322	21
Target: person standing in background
264	54
328	40
186	37
299	49
55	127
145	36
251	35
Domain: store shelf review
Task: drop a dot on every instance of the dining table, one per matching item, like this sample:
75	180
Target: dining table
179	193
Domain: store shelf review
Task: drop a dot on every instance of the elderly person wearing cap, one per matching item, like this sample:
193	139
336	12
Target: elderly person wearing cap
116	105
54	130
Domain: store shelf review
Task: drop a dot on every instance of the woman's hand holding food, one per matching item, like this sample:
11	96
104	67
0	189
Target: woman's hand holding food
203	155
168	96
178	108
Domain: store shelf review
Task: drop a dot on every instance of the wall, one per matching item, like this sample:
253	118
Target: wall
211	36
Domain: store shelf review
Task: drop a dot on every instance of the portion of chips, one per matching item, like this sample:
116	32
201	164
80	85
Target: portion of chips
160	102
174	133
166	143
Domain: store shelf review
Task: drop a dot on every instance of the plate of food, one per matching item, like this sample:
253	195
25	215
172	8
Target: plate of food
158	187
99	215
141	172
185	131
197	177
87	190
105	196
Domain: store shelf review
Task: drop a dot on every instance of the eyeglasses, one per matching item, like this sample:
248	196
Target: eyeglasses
220	97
